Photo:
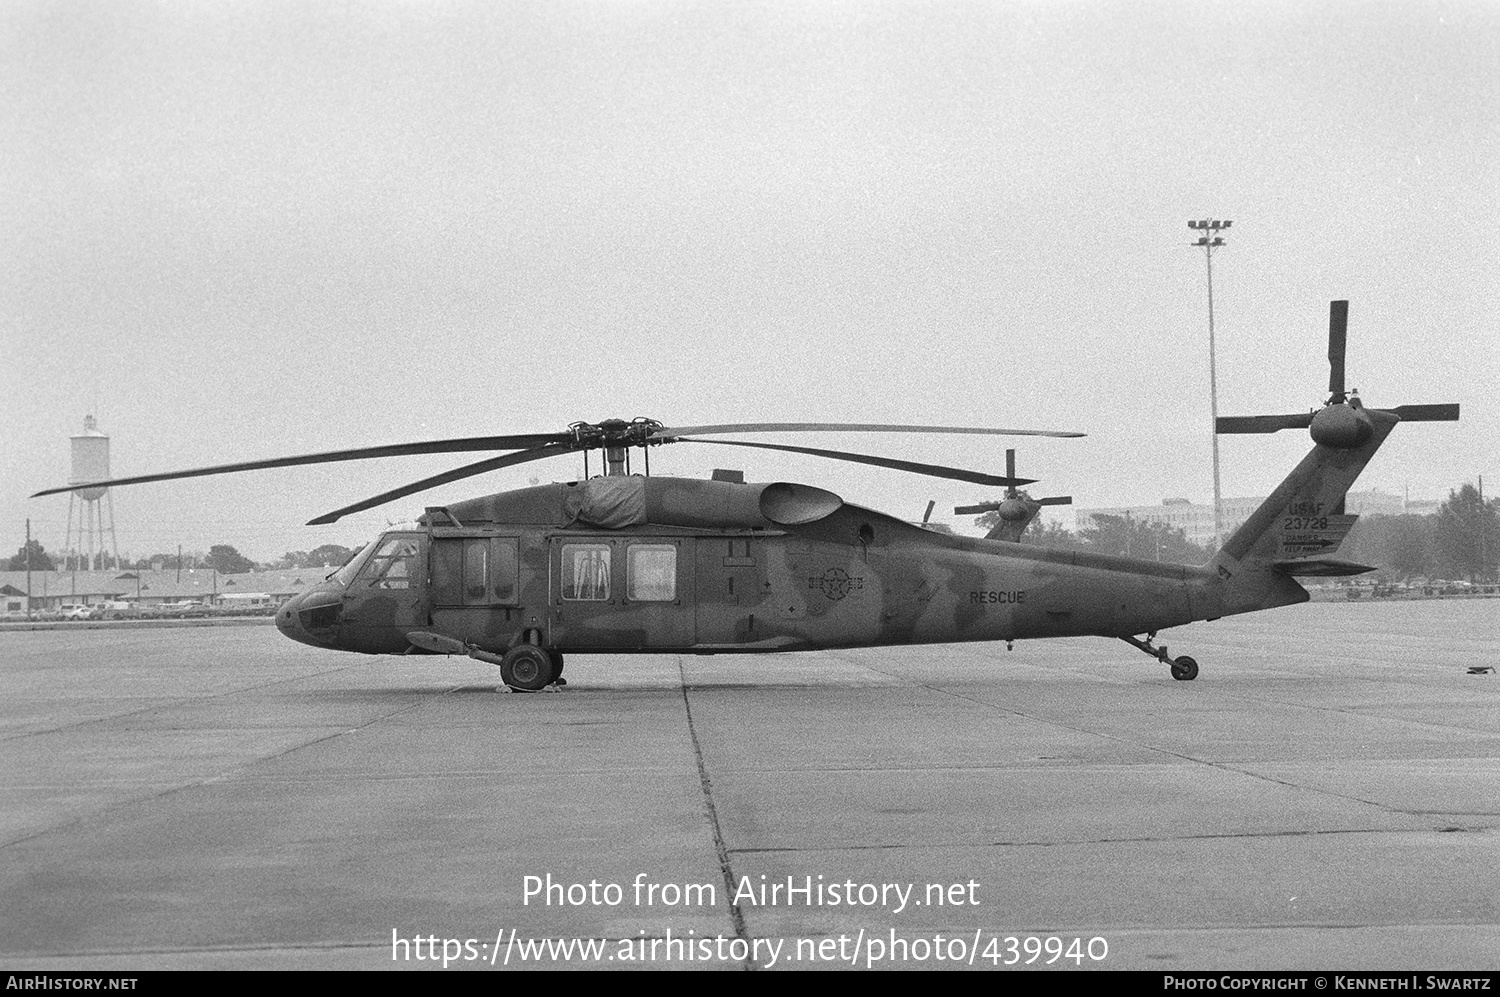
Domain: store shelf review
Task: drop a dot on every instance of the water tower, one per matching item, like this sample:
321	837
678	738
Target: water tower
87	506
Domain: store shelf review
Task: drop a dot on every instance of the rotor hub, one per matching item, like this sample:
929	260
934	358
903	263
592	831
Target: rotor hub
613	434
1014	510
1342	427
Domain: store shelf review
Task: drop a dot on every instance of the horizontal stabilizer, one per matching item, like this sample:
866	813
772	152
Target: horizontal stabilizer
1321	567
1427	413
1262	423
1055	500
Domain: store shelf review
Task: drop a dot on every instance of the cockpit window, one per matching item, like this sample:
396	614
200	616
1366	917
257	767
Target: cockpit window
345	574
392	566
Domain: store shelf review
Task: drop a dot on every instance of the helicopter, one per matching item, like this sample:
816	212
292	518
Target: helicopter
630	563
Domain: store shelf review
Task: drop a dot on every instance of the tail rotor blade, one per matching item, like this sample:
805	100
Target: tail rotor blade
1262	423
1338	330
1427	413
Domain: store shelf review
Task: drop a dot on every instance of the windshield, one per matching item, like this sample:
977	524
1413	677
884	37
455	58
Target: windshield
345	574
393	565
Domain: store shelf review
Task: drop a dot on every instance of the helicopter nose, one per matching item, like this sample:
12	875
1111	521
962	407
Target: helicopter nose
310	618
287	622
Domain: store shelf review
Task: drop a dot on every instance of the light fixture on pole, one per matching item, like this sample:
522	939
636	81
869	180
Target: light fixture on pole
1210	239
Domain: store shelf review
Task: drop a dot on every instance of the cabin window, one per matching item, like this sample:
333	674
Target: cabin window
447	572
393	565
505	560
475	571
585	572
651	573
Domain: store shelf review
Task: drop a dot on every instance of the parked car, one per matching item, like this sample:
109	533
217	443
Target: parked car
120	610
246	604
81	611
184	610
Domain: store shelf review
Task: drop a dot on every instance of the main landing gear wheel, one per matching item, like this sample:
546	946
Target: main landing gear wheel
527	668
557	665
1184	669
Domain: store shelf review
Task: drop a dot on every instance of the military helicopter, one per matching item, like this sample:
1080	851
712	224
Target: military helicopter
625	562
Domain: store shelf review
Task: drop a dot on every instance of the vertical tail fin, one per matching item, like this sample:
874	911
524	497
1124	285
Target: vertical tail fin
1302	524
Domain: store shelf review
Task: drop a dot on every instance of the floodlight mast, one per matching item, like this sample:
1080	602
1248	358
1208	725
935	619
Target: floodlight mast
1211	240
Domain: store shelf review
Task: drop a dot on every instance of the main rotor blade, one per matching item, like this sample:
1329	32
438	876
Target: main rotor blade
933	470
464	445
457	474
1427	413
1338	329
674	432
1262	423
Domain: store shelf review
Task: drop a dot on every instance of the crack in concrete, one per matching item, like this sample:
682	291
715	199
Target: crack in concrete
736	916
1149	839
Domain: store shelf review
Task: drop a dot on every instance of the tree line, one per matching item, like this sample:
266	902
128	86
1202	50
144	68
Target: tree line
223	558
1461	541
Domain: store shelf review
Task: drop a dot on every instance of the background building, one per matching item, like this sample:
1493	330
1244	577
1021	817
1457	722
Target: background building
1196	520
52	589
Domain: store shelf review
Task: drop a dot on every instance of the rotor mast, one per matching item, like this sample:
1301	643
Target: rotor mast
615	437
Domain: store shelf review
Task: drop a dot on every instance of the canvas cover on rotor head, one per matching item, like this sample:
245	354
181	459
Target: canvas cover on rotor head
609	502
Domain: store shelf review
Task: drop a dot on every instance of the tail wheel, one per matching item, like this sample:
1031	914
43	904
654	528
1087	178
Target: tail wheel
1184	669
526	668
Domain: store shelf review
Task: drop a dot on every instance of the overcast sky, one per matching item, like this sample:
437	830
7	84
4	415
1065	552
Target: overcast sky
241	230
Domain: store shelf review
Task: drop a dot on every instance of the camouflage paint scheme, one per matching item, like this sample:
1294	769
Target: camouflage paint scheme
781	567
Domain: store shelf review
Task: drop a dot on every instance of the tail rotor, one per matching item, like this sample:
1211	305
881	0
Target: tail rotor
1016	510
1343	422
